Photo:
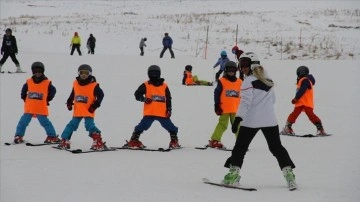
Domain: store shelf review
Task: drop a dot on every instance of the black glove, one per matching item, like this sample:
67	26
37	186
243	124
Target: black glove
218	110
168	113
148	100
93	107
235	125
69	106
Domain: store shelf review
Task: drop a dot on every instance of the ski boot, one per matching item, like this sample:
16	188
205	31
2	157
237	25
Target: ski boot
287	130
215	144
64	144
233	177
289	177
98	144
52	140
134	142
18	69
174	142
320	129
18	139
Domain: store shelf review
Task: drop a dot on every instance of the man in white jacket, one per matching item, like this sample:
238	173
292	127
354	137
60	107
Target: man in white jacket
256	112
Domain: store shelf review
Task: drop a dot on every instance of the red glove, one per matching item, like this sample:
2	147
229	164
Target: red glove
148	100
294	101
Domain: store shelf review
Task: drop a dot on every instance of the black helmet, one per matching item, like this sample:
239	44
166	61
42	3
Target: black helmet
302	71
188	68
154	71
230	65
145	39
36	66
8	30
85	67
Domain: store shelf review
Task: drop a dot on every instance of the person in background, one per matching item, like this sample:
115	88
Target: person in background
256	112
157	107
75	44
226	98
167	43
37	92
9	48
91	44
235	50
86	96
190	80
221	61
142	45
304	102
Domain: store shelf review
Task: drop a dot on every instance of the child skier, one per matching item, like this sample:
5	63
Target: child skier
221	61
227	99
86	96
191	80
235	50
303	101
157	106
37	92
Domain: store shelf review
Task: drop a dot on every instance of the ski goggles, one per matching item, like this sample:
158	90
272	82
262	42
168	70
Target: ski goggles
84	72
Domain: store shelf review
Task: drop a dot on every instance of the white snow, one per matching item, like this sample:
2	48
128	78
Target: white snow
328	169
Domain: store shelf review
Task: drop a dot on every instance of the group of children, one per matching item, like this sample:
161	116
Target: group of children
249	101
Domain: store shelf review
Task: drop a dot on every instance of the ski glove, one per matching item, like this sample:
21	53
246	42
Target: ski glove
93	107
218	110
69	106
148	100
235	125
168	113
294	100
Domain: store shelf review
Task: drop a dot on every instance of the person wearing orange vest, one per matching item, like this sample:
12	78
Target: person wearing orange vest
75	44
86	96
190	80
156	96
37	92
227	99
304	101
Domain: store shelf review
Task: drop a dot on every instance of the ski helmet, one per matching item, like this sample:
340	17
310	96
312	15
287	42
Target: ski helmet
145	39
234	49
8	30
302	71
86	68
223	53
188	68
230	65
154	71
37	65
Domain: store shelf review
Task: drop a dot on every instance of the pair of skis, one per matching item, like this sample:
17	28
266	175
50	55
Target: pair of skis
28	144
207	147
10	72
220	184
80	151
304	135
